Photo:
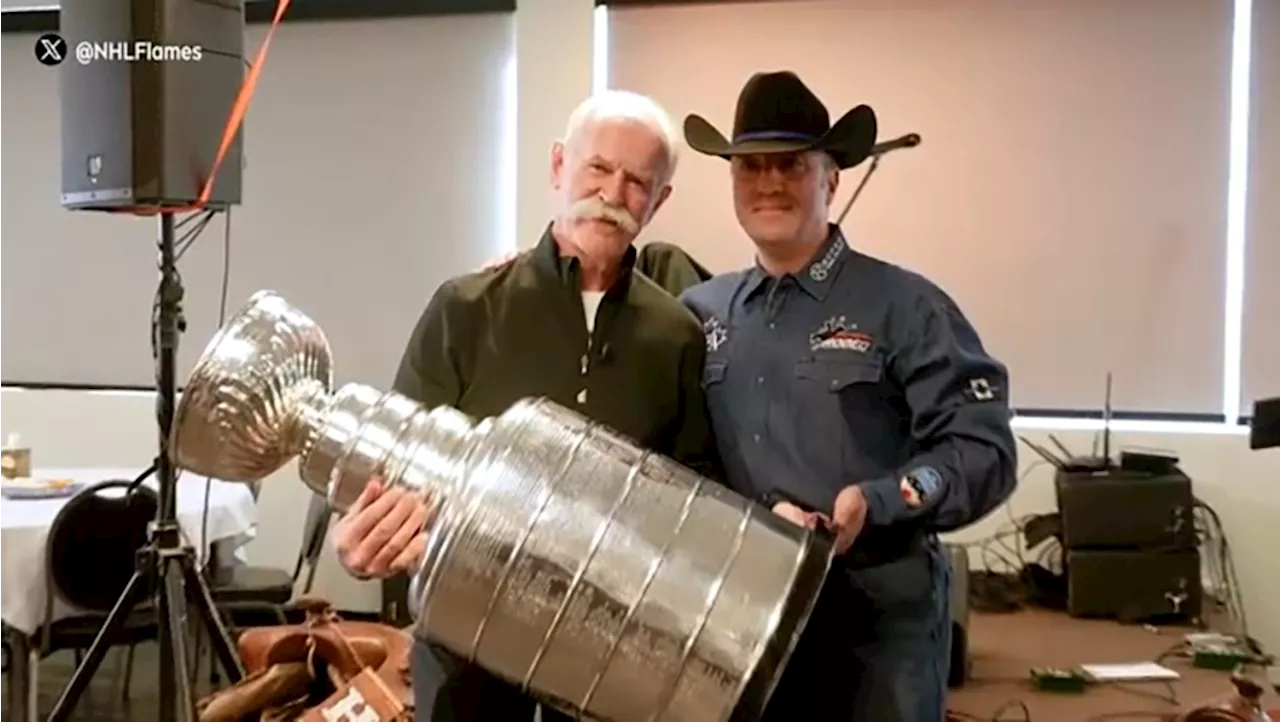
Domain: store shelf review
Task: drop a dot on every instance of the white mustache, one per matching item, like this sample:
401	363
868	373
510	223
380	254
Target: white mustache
596	209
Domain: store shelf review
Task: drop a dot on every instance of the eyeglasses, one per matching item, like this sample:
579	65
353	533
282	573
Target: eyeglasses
792	166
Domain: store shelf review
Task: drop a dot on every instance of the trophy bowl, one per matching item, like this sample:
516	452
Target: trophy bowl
235	418
604	580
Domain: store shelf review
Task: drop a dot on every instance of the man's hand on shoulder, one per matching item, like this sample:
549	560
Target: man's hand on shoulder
384	532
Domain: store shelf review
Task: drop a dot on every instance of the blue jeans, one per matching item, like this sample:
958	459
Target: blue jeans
447	689
876	648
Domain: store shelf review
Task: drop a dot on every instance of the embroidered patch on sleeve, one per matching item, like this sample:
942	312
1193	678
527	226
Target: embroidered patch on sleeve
980	389
920	485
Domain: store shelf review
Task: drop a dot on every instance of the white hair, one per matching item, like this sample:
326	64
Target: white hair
626	105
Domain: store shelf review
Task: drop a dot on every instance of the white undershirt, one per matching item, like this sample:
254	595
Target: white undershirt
590	304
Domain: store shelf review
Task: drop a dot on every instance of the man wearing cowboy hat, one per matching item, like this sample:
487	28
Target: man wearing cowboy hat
850	394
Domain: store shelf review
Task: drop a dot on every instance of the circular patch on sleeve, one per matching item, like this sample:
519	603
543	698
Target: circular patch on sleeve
920	485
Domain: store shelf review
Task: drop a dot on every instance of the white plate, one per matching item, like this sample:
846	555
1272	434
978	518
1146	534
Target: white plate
29	488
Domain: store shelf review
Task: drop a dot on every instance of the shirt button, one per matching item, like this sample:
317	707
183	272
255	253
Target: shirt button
772	324
757	438
835	384
760	379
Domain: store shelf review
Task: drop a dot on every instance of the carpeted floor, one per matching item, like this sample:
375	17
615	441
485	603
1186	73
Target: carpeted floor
1005	648
104	700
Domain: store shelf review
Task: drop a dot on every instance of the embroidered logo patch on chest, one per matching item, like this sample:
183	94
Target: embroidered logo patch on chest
838	334
715	333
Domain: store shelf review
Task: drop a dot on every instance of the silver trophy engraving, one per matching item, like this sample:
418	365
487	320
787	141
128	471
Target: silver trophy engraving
609	582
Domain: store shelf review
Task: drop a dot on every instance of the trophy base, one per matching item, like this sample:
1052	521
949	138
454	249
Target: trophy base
793	616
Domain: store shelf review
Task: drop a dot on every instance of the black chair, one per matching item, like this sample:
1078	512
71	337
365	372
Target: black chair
251	589
241	590
246	595
89	559
314	531
248	590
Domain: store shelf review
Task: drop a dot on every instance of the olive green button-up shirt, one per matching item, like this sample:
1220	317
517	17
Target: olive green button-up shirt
489	339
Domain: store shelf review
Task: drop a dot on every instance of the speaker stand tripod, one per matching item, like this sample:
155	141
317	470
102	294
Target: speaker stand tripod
165	567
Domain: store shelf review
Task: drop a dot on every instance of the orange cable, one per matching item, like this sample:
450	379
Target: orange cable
229	131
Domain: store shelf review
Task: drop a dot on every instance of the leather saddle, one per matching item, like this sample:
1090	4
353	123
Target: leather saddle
323	666
1244	704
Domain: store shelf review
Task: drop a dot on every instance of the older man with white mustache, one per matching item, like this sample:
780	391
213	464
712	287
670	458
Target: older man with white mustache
595	208
569	320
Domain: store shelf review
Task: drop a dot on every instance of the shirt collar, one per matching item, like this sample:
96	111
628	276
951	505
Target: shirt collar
565	269
816	277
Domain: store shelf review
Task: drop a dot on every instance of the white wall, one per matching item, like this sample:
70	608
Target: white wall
358	104
117	429
1006	183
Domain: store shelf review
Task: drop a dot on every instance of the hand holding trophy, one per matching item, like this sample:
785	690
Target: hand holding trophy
607	581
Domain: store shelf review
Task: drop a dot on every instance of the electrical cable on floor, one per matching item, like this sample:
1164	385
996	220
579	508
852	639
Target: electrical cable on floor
1014	705
1134	715
1223	570
1207	714
1020	561
1177	649
1013	529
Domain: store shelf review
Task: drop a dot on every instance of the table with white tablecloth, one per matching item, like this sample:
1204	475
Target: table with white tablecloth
231	520
209	512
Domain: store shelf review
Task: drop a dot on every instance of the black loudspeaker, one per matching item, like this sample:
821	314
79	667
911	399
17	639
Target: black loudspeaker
1134	585
1127	509
147	87
1264	429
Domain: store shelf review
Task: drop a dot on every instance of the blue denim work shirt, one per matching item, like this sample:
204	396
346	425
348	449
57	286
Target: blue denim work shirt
855	371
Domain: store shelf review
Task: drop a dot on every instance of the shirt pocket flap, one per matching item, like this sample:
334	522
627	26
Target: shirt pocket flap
836	374
713	373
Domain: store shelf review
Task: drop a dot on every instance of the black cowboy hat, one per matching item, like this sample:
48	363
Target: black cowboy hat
777	113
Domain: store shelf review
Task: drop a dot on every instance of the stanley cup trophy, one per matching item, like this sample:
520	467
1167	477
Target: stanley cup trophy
608	582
